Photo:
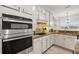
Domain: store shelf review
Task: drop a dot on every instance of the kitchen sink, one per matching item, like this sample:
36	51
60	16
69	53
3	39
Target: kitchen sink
40	33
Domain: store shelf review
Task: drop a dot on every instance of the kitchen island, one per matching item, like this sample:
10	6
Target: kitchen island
63	39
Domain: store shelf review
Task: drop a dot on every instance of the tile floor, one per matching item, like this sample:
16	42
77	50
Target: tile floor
57	50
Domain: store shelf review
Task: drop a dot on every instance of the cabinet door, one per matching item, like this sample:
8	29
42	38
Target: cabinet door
70	42
37	46
35	17
48	42
56	38
12	6
26	9
43	44
47	19
11	10
59	40
52	39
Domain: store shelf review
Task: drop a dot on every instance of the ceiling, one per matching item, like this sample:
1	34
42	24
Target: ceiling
61	10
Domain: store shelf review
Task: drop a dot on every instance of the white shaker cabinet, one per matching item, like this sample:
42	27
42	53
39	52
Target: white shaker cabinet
44	44
26	8
51	39
47	19
7	10
48	41
55	38
65	41
37	46
14	10
70	42
35	17
12	6
59	40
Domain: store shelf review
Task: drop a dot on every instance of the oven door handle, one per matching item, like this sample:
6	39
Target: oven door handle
4	40
12	20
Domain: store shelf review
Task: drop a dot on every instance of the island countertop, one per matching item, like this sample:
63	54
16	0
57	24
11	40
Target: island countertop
61	33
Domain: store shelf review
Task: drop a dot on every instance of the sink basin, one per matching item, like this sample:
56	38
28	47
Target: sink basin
40	33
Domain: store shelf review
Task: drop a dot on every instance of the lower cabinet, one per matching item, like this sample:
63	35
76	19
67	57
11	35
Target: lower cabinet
44	44
52	39
69	42
58	40
37	46
65	41
61	40
48	41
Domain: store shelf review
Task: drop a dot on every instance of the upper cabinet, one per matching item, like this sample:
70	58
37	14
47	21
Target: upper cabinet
15	7
35	16
27	9
47	19
13	10
43	16
19	10
40	15
51	20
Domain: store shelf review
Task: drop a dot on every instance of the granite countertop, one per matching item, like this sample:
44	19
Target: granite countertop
35	36
38	36
62	32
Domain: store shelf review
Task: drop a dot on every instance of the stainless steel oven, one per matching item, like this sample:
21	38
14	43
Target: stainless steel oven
15	45
17	33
